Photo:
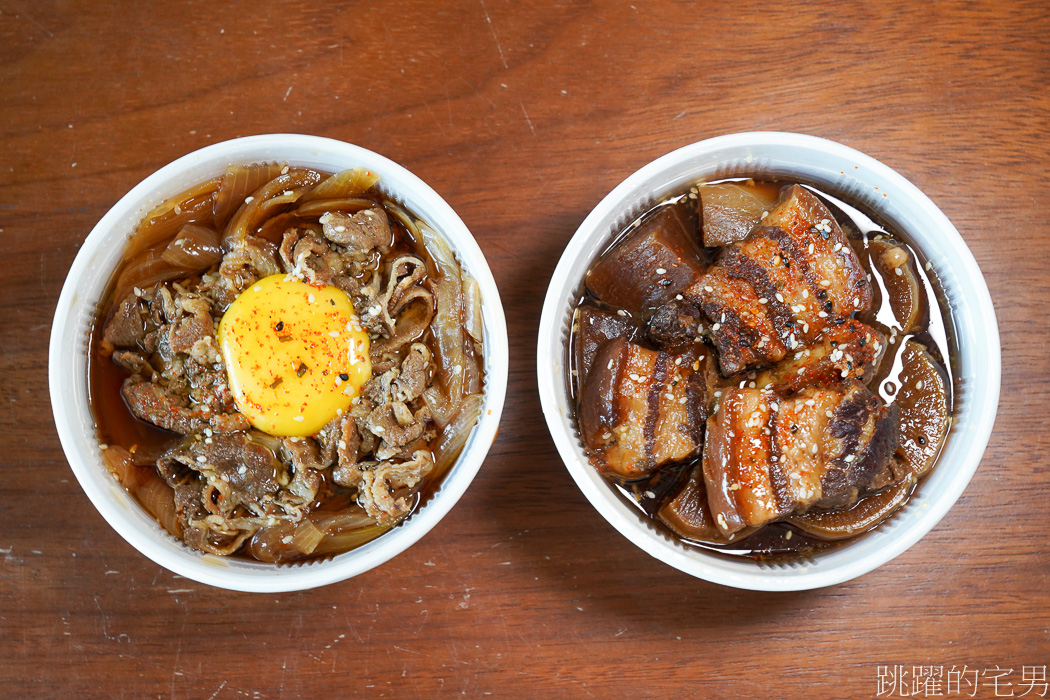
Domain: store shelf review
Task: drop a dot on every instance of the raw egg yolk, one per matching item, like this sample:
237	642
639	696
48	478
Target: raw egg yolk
295	353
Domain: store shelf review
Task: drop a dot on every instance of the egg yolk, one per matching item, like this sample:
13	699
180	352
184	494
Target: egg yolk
296	354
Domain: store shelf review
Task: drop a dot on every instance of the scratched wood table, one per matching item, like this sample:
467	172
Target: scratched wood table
523	115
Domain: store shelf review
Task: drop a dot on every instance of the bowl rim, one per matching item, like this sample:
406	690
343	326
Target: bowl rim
741	573
64	350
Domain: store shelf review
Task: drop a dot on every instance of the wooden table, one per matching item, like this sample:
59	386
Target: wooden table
523	115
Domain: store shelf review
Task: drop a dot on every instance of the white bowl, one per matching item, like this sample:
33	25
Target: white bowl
860	179
99	256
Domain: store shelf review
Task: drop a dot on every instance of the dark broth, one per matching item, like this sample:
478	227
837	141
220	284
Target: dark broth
779	539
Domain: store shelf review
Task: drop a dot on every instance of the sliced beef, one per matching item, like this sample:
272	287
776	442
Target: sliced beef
846	353
766	457
128	325
366	230
654	263
154	404
249	468
641	409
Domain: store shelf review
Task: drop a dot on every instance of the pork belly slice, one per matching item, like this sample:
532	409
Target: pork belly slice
741	328
846	353
786	282
651	266
822	248
766	457
641	409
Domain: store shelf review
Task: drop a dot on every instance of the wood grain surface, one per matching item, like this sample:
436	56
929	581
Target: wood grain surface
523	116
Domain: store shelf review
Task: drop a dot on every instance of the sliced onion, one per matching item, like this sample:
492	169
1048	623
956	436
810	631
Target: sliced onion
441	409
307	536
159	500
323	206
345	541
472	312
195	249
239	182
267	201
145	273
165	220
119	463
455	434
347	183
353	518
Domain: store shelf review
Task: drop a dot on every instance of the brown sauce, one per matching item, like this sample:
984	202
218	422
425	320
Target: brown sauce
934	333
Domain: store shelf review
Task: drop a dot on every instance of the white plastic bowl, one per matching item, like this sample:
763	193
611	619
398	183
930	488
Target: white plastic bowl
87	278
859	179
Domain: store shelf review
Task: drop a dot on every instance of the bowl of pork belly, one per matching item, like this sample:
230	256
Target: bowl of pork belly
769	361
277	362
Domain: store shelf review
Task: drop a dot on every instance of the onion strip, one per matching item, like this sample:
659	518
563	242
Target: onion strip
455	434
347	183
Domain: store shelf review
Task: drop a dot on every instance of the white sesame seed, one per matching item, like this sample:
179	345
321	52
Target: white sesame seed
201	460
248	199
825	283
634	377
780	297
708	289
661	271
716	326
763	300
299	419
920	384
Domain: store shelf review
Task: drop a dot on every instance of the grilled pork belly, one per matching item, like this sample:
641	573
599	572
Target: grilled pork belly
776	291
846	353
766	457
641	408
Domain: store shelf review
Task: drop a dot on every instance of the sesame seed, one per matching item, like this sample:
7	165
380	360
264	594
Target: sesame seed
678	361
201	460
825	283
610	364
780	297
829	414
103	446
823	314
248	199
299	419
763	300
929	266
734	486
920	384
805	293
898	271
634	377
661	271
708	289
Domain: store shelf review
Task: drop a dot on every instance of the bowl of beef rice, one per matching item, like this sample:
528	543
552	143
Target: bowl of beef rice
769	361
277	362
